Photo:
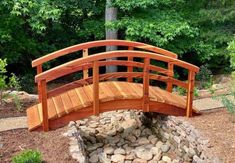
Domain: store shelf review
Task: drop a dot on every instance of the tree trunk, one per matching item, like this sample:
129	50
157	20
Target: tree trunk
110	15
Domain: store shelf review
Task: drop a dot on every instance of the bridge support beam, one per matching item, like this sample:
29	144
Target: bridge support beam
146	85
45	121
189	109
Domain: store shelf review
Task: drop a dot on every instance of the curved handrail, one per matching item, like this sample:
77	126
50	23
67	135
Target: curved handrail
72	66
100	43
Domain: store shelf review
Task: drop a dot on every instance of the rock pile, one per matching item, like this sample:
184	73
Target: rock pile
120	136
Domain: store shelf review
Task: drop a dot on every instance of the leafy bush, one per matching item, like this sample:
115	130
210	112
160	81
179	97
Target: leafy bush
183	91
6	82
27	83
28	156
205	77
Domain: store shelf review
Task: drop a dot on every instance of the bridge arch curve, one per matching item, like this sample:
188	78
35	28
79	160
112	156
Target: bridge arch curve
94	94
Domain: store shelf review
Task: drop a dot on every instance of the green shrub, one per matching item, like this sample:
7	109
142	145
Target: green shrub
183	91
205	77
6	82
27	83
28	156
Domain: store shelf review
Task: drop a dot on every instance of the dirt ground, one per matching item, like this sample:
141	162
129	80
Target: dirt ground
9	110
53	145
219	128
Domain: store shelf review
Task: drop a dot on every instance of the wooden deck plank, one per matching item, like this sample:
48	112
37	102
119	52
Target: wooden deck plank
74	99
33	117
85	100
51	109
60	109
67	102
114	90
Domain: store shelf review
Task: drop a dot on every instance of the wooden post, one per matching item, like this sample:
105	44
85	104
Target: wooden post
45	121
171	74
85	54
191	77
95	88
39	70
130	68
146	85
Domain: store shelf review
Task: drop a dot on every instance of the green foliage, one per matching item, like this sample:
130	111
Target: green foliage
6	82
182	91
231	49
204	77
28	156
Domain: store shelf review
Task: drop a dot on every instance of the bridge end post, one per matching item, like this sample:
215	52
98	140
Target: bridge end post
96	88
43	92
191	80
170	74
146	85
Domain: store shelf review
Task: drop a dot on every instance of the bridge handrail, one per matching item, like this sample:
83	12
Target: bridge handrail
78	47
72	66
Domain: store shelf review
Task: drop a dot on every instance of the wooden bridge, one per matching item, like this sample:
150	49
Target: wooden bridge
97	92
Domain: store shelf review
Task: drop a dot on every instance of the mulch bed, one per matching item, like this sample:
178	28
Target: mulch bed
219	128
53	146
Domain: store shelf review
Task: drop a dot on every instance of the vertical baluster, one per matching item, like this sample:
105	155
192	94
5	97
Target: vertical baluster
39	70
170	74
191	77
85	54
43	92
146	85
96	88
130	68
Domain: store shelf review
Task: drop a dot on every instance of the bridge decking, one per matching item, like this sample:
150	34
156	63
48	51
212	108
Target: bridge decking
113	92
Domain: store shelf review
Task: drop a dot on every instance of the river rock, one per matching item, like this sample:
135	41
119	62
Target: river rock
118	158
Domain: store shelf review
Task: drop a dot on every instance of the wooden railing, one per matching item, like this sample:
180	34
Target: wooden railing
96	61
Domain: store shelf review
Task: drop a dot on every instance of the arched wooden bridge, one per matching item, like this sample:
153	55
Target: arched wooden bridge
95	93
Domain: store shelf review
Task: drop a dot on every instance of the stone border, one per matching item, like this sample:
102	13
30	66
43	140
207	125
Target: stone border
175	134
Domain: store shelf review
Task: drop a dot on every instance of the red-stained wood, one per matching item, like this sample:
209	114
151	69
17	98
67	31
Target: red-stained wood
96	88
171	74
146	85
189	109
96	94
45	121
73	66
130	68
39	70
85	71
88	45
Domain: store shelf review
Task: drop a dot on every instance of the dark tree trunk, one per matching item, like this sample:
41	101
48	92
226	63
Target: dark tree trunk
110	15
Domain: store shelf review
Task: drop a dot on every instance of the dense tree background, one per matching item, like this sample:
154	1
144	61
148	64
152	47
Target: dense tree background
199	31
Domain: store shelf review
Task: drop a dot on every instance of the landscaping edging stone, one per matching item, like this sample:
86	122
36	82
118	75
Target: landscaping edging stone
121	136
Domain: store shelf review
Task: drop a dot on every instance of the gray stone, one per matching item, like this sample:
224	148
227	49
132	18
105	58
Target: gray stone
130	156
196	159
137	160
159	144
109	150
94	159
143	141
119	151
166	159
165	148
191	152
131	138
103	158
117	158
155	150
154	141
137	132
94	146
71	124
144	154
